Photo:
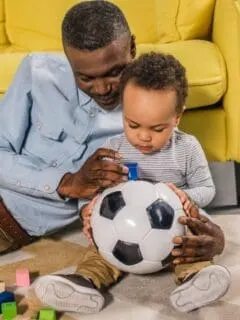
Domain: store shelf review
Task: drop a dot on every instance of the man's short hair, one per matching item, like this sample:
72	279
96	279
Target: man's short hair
91	25
157	71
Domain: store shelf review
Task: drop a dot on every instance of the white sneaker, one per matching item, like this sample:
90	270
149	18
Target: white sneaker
206	286
68	293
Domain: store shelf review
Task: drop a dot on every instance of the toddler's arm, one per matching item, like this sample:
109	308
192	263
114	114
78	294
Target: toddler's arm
200	188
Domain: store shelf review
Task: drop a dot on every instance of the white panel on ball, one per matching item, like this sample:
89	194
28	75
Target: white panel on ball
128	226
104	233
165	193
138	193
177	228
160	242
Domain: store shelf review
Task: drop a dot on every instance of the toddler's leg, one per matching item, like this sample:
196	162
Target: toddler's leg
79	292
201	283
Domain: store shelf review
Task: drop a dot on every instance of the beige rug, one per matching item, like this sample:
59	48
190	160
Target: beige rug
135	297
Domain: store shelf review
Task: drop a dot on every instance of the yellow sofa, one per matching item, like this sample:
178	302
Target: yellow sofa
203	34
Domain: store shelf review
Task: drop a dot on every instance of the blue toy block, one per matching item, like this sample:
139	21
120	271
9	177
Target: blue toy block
6	296
133	170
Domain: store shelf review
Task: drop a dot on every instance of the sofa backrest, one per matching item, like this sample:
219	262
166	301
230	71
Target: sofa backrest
164	21
36	24
3	37
184	19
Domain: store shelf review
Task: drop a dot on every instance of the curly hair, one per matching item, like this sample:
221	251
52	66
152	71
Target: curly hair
157	71
91	25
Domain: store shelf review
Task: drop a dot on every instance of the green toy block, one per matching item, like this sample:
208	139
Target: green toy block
9	310
47	314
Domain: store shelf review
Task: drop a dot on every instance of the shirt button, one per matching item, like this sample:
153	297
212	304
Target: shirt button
54	164
47	187
18	183
92	114
39	125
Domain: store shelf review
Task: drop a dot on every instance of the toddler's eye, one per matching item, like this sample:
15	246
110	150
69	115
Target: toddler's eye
133	126
159	130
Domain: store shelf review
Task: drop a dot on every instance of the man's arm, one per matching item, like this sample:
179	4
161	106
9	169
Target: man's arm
17	171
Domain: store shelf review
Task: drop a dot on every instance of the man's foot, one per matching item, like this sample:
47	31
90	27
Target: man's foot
206	286
69	293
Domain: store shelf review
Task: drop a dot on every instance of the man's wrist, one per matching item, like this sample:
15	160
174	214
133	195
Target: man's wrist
65	185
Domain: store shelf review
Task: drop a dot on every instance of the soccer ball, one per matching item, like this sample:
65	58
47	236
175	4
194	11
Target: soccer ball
134	225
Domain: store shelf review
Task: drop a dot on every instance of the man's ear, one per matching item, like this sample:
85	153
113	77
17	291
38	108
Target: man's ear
133	46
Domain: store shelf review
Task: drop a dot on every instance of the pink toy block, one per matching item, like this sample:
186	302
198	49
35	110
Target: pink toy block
22	277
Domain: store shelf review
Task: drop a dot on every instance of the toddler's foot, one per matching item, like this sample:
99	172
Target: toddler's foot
206	286
69	293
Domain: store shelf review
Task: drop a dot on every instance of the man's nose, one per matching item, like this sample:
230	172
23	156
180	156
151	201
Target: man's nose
101	87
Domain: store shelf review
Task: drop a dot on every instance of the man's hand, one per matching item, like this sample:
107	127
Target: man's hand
96	174
189	207
206	241
86	214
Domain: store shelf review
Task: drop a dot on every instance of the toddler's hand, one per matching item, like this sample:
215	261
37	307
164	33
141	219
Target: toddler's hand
86	214
189	207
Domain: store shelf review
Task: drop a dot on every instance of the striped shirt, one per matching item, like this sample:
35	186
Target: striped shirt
181	161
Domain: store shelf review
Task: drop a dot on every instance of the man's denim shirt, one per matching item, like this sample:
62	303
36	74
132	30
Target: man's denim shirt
48	127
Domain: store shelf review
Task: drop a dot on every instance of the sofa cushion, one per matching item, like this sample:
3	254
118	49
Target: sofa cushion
144	11
205	67
3	37
184	19
36	25
8	65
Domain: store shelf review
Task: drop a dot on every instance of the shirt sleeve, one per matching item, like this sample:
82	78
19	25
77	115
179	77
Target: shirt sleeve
200	184
17	171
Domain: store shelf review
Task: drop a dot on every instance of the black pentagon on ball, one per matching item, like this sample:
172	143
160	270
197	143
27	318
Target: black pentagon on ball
167	260
160	214
111	204
127	253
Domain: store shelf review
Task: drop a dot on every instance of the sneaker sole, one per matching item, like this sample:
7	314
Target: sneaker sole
64	295
205	287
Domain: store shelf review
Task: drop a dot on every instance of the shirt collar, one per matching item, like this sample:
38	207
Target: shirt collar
83	98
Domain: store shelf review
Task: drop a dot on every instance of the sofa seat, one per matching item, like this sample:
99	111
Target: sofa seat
206	70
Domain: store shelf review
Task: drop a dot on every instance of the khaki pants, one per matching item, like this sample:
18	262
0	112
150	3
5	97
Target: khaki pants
93	266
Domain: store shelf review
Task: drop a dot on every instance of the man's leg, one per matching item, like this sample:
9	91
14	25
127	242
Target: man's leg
12	236
79	292
200	283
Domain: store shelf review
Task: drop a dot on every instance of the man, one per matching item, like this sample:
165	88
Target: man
53	118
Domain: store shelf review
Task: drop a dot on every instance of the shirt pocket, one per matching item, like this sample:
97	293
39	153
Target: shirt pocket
52	145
